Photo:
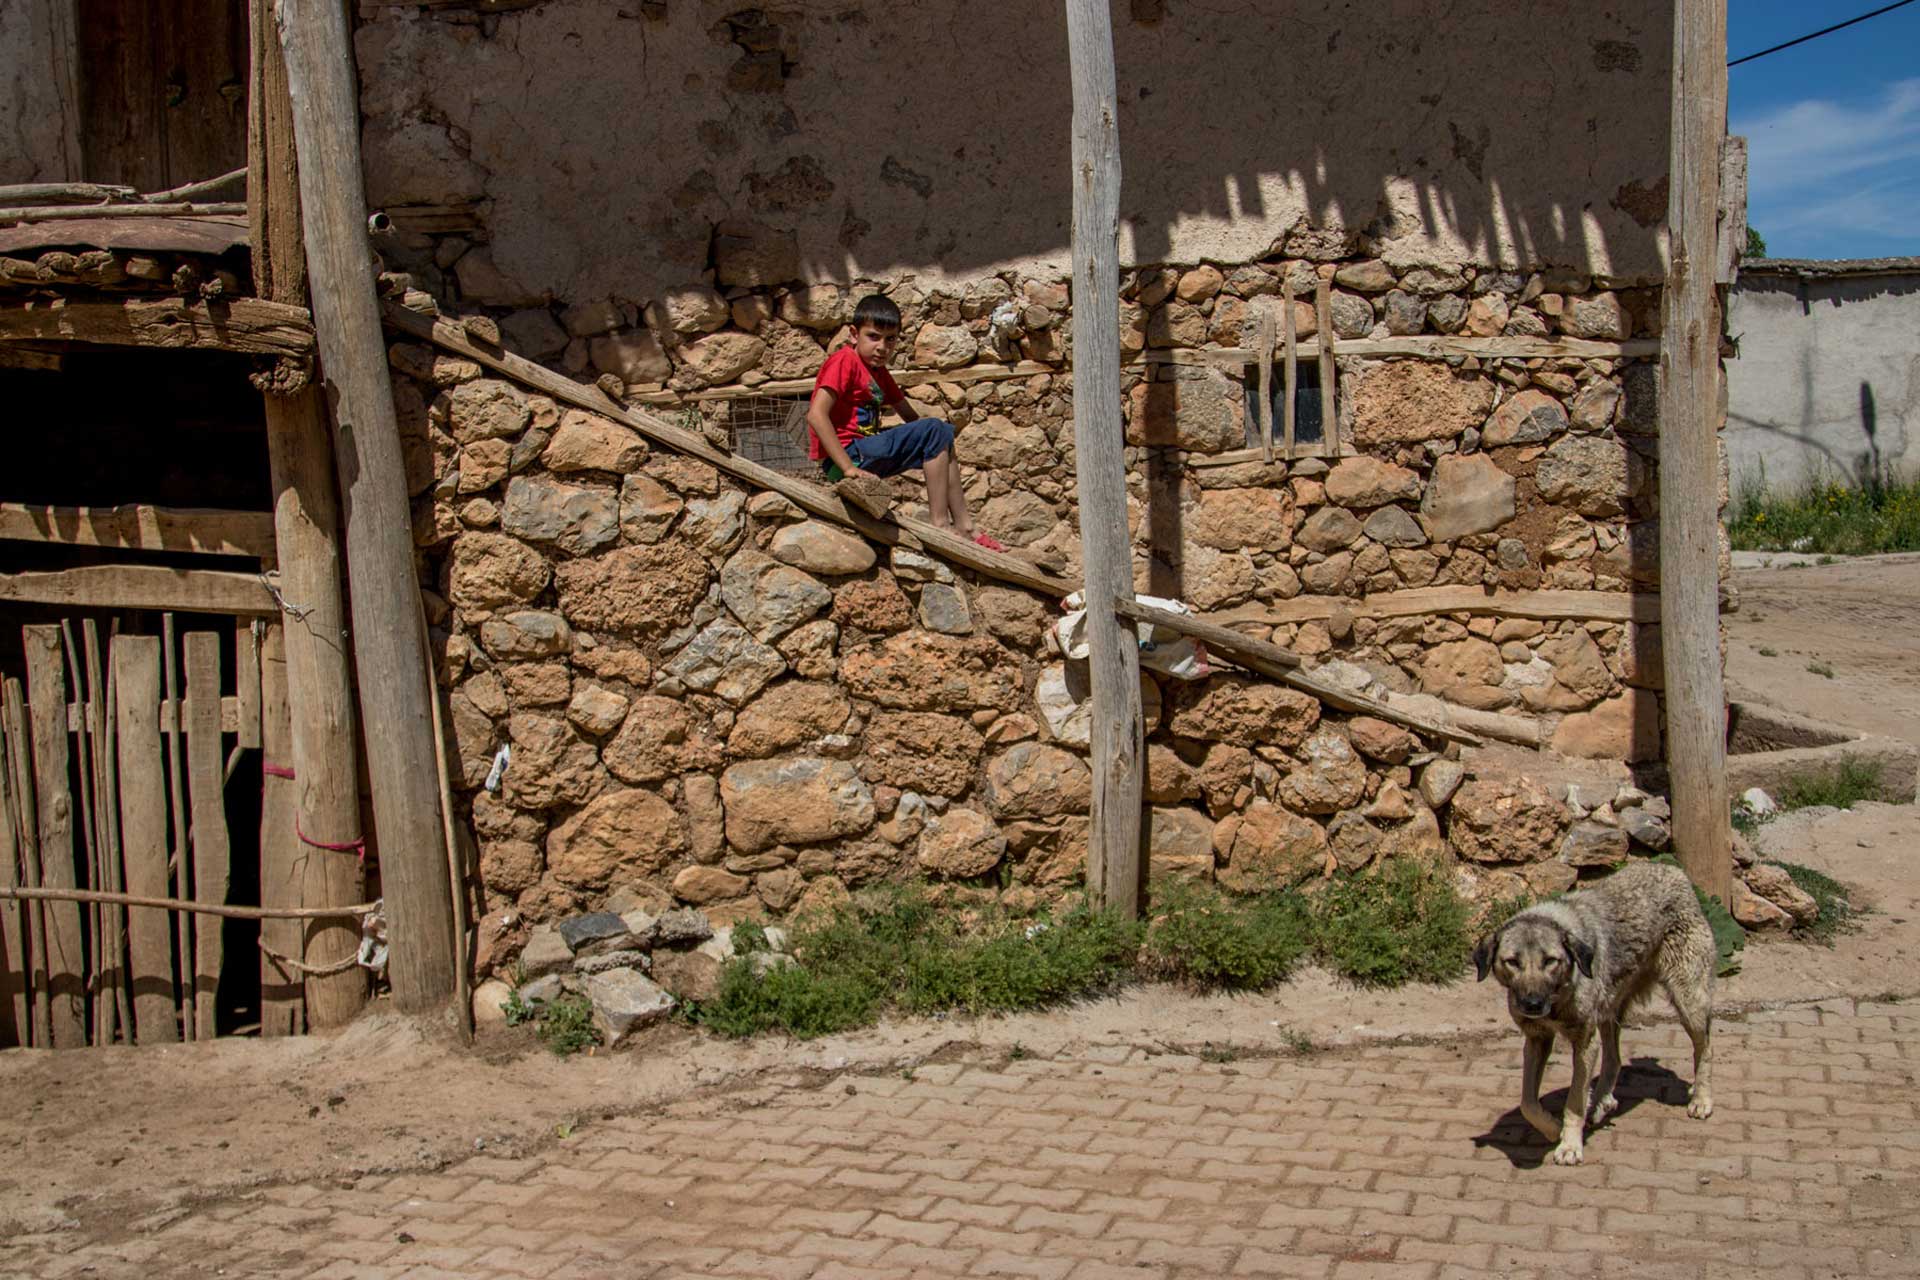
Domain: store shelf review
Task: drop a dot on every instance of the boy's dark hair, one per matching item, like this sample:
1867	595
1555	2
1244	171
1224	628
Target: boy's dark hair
878	310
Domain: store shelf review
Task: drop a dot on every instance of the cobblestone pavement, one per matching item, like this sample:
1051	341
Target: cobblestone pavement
1406	1161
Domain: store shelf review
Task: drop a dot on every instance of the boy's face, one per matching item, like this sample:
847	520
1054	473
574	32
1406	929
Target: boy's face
874	345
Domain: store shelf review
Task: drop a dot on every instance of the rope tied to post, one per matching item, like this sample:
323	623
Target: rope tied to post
358	846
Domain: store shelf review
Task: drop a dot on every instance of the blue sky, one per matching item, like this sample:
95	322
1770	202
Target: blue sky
1832	127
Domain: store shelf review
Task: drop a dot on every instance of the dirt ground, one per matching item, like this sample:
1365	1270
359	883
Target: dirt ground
117	1135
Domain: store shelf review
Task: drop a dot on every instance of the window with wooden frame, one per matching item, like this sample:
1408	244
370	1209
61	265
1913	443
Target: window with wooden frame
1290	409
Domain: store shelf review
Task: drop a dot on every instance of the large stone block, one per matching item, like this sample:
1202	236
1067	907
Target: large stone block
1506	820
1244	711
793	800
1466	494
960	844
787	715
920	671
624	834
576	519
1405	401
1201	411
490	570
724	659
770	598
661	737
648	590
1035	780
1271	848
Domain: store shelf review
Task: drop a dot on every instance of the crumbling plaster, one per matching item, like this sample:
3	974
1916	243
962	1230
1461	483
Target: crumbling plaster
932	139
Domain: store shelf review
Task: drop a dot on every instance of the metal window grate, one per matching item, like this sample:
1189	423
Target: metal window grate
761	429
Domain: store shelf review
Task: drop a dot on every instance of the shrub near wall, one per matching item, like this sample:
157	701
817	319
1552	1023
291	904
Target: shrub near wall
710	697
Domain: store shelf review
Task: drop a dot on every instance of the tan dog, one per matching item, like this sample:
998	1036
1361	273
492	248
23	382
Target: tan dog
1577	964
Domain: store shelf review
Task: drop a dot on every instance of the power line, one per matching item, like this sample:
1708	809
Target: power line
1815	35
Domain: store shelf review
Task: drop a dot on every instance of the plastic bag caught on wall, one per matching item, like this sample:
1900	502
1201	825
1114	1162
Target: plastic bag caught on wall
1167	652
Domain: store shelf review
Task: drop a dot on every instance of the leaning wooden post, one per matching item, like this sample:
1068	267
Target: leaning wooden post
389	647
1114	872
324	753
1689	451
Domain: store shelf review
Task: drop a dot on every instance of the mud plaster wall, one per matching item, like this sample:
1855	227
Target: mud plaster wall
599	148
1827	383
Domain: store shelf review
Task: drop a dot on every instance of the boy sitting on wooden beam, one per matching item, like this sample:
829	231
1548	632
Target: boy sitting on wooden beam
849	393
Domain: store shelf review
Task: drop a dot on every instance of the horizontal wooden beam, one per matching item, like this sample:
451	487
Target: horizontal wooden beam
897	530
129	586
192	908
69	212
1429	345
142	528
170	721
242	324
1549	606
1283	665
1432	346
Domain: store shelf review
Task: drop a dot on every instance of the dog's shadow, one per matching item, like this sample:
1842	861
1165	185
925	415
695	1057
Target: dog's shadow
1641	1080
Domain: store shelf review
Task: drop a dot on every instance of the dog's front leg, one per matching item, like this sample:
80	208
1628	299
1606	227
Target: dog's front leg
1605	1103
1572	1148
1533	1068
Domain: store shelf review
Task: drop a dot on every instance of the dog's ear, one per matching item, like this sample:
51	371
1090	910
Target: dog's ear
1580	953
1483	955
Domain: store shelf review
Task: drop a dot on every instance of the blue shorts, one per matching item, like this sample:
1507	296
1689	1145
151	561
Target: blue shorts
906	447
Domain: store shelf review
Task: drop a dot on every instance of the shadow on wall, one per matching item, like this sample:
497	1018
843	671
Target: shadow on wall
606	151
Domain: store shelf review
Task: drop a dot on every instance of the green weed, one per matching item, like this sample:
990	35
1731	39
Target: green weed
1821	669
1406	924
1767	652
1853	781
1729	939
1837	915
1205	938
566	1025
1830	517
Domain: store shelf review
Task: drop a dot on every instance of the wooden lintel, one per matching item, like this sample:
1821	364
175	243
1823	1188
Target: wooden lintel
905	377
1429	345
241	324
128	586
1546	605
142	528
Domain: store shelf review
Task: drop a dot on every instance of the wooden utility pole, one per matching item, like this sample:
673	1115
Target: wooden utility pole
324	752
1689	451
389	645
1114	870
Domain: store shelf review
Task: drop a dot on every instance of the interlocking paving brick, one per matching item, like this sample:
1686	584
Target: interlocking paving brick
1402	1160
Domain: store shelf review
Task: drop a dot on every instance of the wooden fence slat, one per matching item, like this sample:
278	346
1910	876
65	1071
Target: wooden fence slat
179	857
143	834
20	766
106	798
87	731
15	963
66	944
206	779
280	874
246	658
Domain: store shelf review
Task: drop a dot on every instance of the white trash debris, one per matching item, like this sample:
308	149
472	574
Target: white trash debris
1758	803
1181	657
501	759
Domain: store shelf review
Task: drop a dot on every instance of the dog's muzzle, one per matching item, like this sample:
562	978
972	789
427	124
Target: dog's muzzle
1534	1008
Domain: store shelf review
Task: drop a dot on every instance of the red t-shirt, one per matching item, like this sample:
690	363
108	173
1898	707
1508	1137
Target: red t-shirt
859	395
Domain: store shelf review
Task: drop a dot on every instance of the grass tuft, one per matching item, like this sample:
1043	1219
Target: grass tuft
1202	937
1837	915
1842	788
566	1025
1830	517
1406	924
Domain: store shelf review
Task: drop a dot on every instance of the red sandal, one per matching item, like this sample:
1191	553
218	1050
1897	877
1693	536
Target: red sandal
988	541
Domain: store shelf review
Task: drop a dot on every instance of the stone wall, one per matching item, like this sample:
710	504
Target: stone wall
712	699
1826	386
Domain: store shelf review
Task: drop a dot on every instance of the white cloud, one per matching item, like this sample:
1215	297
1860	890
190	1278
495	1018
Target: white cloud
1814	140
1825	176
